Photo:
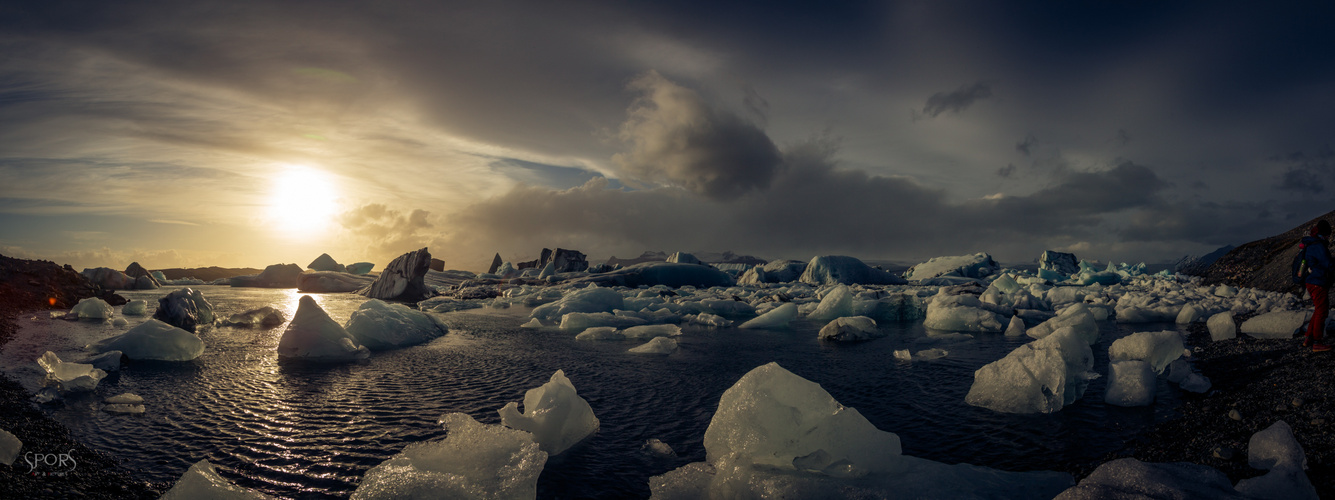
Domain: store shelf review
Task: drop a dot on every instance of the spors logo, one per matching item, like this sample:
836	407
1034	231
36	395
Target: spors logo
51	464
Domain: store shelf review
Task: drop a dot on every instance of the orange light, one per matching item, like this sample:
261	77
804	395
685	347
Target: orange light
51	301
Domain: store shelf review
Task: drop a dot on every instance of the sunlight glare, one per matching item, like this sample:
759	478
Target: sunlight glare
303	201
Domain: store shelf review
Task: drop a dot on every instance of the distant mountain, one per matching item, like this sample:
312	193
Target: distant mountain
1196	266
208	273
726	257
1263	264
650	256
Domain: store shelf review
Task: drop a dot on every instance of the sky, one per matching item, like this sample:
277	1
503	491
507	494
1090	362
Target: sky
237	133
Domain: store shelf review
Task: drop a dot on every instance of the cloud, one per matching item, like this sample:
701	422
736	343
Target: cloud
1026	145
1007	170
958	100
675	138
1305	174
385	233
120	259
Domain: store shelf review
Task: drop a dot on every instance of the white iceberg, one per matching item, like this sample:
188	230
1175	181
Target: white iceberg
153	340
262	317
962	313
473	461
1275	324
839	269
651	331
202	481
585	300
69	377
1130	383
1156	348
577	322
850	329
706	319
838	303
135	307
313	335
554	413
979	265
657	345
379	325
779	317
600	333
93	308
1222	326
1076	316
1039	377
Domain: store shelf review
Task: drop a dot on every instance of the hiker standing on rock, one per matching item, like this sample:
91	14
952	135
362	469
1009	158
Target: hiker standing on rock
1316	258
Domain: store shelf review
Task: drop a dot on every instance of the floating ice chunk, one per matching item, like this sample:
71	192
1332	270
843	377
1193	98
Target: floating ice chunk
1039	377
313	335
961	313
1016	327
1130	383
1076	316
850	329
651	331
654	446
1190	314
775	271
658	345
93	308
473	461
838	269
979	265
1064	264
203	481
779	317
185	309
576	322
109	361
837	303
69	377
554	413
1276	450
379	325
153	340
124	398
532	323
1222	326
1130	478
584	300
135	308
10	445
903	355
263	317
930	354
1274	325
120	322
1195	382
706	319
600	333
1156	348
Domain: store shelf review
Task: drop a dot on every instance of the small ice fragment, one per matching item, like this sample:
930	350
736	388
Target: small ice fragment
128	398
532	323
203	481
659	345
903	355
10	446
656	447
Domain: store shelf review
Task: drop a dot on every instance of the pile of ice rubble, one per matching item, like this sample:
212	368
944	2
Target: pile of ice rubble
774	435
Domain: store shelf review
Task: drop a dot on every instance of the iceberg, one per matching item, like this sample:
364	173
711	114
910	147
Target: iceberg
1275	449
1064	264
93	308
838	302
1131	478
274	276
554	413
777	271
109	361
1130	383
135	307
977	266
779	317
313	335
651	331
844	270
10	445
658	345
263	317
153	340
360	267
1039	377
1016	327
850	329
446	304
403	279
109	279
706	319
577	322
584	300
600	333
473	461
1275	324
1076	316
124	403
655	446
202	481
683	258
185	309
1156	348
1222	326
379	325
961	313
69	377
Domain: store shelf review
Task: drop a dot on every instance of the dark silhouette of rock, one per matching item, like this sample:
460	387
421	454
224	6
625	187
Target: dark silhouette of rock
326	263
1196	266
436	265
1263	264
108	278
495	264
207	273
185	309
275	276
649	256
39	284
566	261
403	279
143	280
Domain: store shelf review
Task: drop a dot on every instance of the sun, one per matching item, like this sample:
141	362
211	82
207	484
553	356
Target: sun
303	200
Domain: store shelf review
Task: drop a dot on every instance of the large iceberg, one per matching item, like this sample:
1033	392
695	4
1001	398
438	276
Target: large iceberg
473	461
1275	449
326	263
109	279
185	309
153	340
977	266
585	300
69	377
274	276
92	308
379	325
1156	348
360	267
403	279
1039	377
313	335
1076	316
777	271
840	269
778	435
1064	264
554	413
202	481
962	313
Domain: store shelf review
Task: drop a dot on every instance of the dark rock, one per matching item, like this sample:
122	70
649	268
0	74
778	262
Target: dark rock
1196	266
184	309
144	280
275	276
495	264
566	261
1061	262
403	279
1263	264
326	263
108	278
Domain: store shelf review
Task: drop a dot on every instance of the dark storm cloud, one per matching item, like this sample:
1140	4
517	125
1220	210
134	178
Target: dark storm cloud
958	100
674	137
1028	143
1307	174
1007	170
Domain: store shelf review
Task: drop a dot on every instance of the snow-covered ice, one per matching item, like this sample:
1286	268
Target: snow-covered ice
379	325
202	481
313	335
555	413
153	340
474	460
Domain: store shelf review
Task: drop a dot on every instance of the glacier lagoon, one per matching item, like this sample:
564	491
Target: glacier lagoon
298	430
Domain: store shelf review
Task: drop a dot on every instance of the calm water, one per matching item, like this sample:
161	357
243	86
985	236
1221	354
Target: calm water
294	430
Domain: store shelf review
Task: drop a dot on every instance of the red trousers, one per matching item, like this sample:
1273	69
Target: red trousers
1317	327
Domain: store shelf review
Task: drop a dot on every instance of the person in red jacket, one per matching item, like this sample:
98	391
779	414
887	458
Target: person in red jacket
1316	253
